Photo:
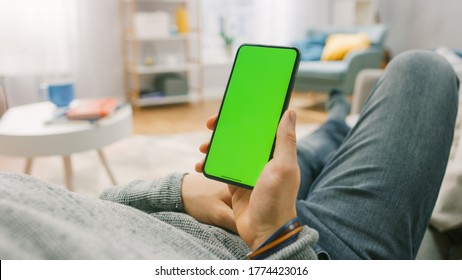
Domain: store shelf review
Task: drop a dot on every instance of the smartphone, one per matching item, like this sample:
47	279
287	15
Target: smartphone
256	96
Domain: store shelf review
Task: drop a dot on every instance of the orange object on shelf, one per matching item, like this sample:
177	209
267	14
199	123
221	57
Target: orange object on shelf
92	109
182	20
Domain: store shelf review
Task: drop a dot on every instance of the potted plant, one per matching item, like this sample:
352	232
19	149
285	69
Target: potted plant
228	39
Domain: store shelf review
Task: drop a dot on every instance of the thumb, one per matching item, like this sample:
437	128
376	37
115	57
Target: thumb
286	139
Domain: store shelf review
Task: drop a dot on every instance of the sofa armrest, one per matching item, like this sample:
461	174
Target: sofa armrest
359	60
364	83
371	57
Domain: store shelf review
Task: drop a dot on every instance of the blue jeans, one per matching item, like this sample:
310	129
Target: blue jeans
370	192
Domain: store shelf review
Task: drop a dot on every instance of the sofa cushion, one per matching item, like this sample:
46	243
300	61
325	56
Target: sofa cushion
339	45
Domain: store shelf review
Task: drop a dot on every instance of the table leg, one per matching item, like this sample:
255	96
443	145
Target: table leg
28	167
106	166
68	171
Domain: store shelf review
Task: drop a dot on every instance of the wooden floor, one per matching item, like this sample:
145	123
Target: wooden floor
191	117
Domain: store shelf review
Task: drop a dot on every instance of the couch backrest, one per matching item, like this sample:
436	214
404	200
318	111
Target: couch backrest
377	33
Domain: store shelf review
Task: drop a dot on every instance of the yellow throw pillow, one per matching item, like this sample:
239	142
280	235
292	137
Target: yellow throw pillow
338	45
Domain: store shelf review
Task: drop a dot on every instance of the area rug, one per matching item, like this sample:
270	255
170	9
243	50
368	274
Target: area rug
137	157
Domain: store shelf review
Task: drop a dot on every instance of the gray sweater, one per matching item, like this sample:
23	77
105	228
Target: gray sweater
142	220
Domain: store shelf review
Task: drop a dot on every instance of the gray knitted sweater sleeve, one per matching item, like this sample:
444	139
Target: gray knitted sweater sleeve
163	194
42	221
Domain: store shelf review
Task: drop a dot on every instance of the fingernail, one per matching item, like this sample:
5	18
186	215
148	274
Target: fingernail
292	116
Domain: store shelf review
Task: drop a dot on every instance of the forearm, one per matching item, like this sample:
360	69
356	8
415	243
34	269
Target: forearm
162	194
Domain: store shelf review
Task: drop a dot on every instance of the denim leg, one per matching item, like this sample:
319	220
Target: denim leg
315	149
375	196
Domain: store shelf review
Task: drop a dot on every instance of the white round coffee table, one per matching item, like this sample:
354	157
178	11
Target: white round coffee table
26	131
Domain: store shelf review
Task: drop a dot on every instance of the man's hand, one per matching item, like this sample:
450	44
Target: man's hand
261	212
207	201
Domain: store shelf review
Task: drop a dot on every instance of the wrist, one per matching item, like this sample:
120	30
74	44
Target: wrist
263	234
260	240
185	193
284	236
269	235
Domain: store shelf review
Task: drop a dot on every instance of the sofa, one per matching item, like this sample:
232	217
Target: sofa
325	76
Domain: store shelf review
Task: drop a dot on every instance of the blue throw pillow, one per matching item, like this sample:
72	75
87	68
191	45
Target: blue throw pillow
312	47
458	52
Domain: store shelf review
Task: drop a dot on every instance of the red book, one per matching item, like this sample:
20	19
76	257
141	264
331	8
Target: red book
92	109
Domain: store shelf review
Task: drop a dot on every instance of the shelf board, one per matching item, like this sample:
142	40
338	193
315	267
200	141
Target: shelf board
159	39
140	70
218	61
159	1
164	100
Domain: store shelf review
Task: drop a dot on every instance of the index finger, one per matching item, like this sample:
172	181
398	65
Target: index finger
211	122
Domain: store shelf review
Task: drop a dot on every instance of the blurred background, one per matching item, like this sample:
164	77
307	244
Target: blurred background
83	40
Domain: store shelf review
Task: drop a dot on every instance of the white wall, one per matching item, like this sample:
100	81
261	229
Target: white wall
34	37
422	23
282	22
98	59
54	40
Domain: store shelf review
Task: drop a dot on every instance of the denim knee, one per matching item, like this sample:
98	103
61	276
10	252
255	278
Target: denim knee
425	67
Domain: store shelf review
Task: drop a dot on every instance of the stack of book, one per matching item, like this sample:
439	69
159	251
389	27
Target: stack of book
92	109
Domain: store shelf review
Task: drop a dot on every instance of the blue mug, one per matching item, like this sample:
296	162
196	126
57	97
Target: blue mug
61	94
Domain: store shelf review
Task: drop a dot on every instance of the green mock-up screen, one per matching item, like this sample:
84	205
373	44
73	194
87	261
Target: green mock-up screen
255	98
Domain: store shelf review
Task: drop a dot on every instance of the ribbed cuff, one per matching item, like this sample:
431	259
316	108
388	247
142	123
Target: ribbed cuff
150	196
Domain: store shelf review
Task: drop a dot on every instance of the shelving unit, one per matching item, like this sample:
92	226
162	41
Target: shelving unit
365	11
349	12
148	55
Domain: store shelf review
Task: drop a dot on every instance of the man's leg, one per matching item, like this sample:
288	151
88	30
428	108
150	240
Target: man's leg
315	149
374	197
